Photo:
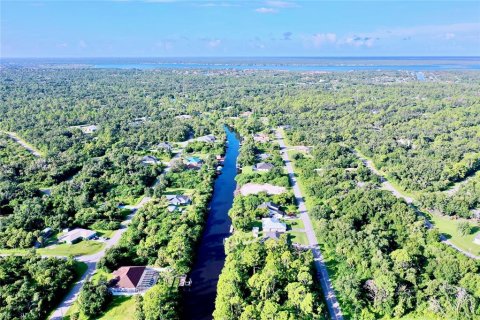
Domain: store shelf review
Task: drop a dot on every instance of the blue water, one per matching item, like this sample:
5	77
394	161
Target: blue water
154	66
413	64
199	302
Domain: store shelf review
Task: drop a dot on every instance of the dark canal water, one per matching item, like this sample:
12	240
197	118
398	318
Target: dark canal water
199	301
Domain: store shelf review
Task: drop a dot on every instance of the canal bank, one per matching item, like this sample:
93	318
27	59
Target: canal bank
199	300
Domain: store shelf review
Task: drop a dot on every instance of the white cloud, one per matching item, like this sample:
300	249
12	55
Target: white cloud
62	45
266	10
82	44
214	43
166	45
281	4
320	39
449	35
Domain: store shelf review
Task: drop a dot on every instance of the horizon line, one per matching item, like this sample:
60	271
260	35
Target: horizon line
233	57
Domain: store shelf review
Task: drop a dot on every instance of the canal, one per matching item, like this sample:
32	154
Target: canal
199	300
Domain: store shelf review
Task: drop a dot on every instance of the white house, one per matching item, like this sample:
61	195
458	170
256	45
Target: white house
273	225
150	160
89	128
263	167
165	146
76	235
261	137
476	240
208	138
178	200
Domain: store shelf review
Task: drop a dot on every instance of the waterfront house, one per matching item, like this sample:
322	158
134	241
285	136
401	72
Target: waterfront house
273	225
272	208
133	280
208	138
261	137
194	162
76	235
263	167
178	200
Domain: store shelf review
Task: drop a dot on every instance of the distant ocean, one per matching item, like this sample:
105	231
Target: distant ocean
286	63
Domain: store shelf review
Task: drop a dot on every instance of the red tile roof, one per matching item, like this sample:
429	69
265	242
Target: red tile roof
128	277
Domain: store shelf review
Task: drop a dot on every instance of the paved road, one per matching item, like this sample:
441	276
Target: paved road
24	144
91	260
397	193
322	274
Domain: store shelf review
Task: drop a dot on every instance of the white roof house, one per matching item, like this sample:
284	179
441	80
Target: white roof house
261	137
150	160
77	234
178	200
476	240
165	146
208	138
89	128
263	167
273	225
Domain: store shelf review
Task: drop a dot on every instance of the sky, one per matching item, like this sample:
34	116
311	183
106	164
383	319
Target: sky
169	28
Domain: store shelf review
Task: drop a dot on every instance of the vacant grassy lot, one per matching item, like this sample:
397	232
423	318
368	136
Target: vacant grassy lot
79	249
449	227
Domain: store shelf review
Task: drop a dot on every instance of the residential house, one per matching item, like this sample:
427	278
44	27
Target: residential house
194	162
273	225
263	156
263	167
165	146
208	138
133	280
47	232
273	209
76	235
150	160
261	137
88	128
178	200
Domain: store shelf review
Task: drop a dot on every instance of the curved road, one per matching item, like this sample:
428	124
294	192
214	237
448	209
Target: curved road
322	274
397	193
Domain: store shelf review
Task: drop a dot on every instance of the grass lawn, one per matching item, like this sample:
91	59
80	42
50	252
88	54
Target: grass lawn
247	170
79	249
121	308
298	237
100	273
448	227
294	224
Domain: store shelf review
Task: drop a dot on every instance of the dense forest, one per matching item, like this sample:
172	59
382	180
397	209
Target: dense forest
423	135
30	286
386	263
